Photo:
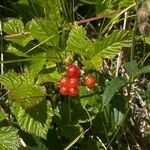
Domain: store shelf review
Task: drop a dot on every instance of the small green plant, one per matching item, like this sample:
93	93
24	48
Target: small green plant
74	75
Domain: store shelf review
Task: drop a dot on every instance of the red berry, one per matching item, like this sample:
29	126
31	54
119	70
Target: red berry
73	91
64	82
64	90
73	82
73	71
90	81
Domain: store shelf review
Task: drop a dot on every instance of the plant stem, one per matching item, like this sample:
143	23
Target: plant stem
14	35
120	55
133	42
95	18
1	53
1	49
69	108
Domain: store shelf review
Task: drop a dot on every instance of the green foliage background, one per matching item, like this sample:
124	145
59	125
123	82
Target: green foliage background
39	39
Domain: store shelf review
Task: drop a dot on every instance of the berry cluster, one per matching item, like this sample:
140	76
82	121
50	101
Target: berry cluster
69	85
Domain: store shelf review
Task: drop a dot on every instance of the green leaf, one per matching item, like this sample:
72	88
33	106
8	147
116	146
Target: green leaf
16	26
37	63
131	67
90	100
118	104
45	30
22	40
36	120
78	42
40	145
49	74
16	51
22	89
53	10
3	115
93	63
94	52
143	70
75	140
103	124
126	3
89	144
9	139
111	89
30	9
54	143
90	1
13	25
53	54
72	131
54	76
27	95
109	46
106	7
23	2
75	113
147	39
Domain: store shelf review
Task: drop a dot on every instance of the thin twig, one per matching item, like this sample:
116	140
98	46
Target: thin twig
15	35
1	49
103	145
4	95
23	144
95	18
121	53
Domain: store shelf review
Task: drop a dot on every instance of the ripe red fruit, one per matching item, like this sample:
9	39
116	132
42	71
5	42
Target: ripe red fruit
64	90
73	91
90	81
73	82
64	82
73	71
